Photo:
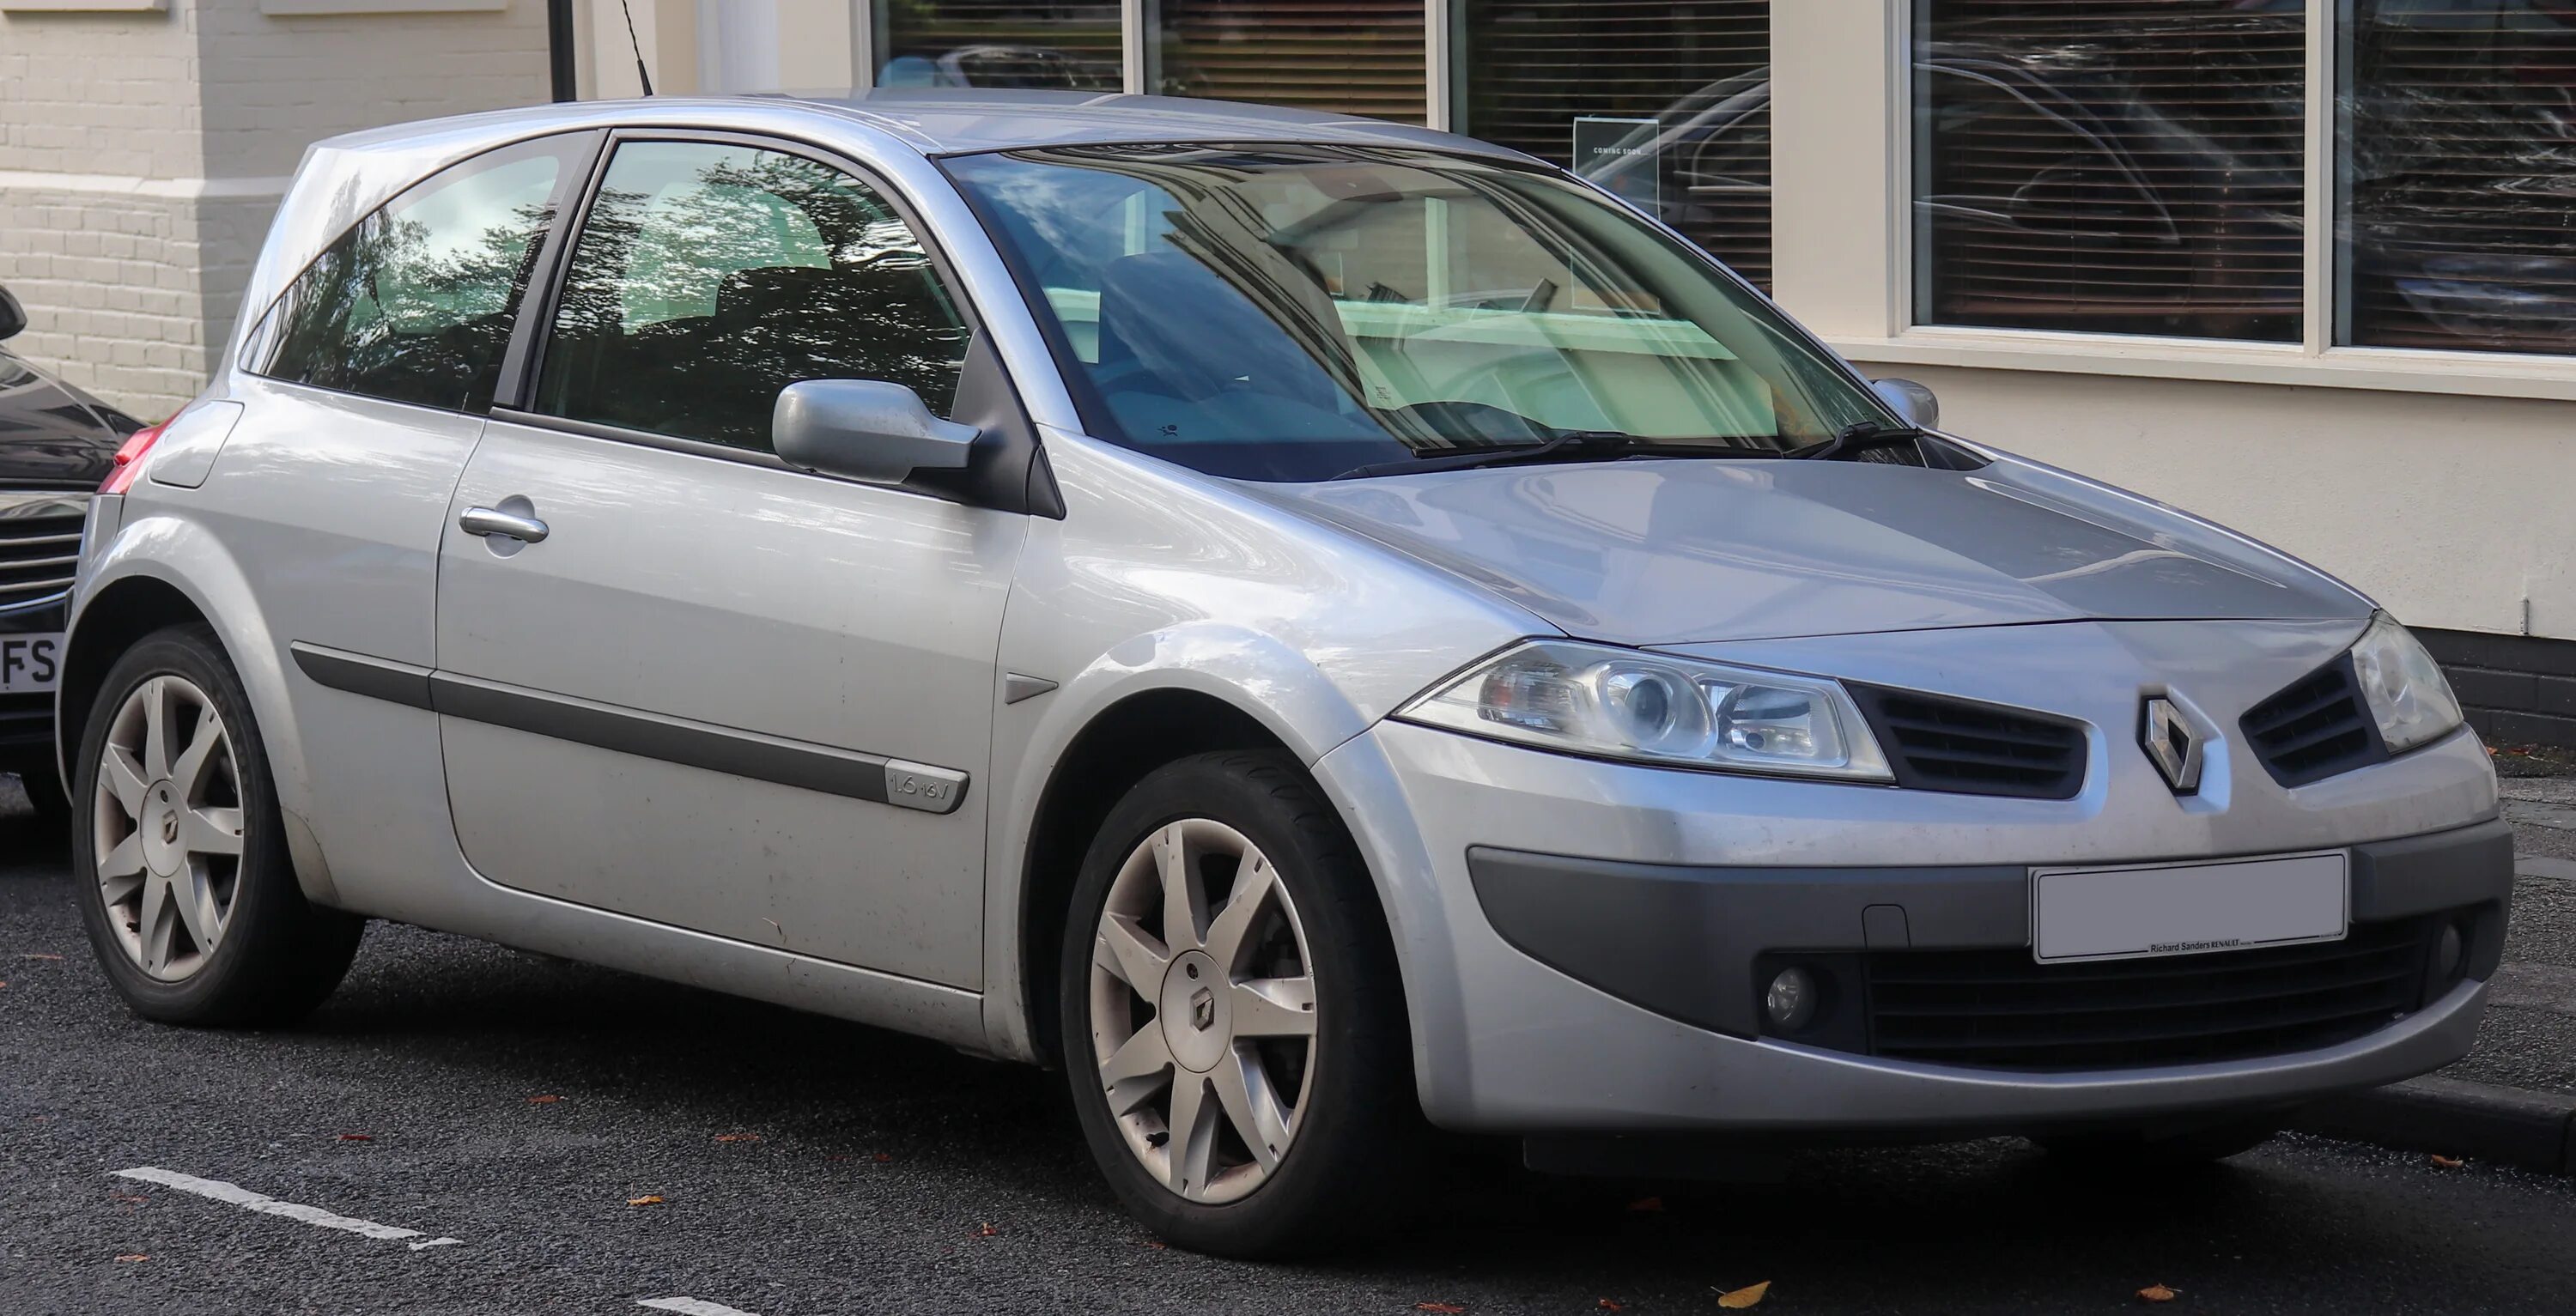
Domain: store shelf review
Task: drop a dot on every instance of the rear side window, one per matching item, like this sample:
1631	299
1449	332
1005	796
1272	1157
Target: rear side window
414	304
710	276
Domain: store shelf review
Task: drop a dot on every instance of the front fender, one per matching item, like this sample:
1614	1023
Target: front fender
1258	675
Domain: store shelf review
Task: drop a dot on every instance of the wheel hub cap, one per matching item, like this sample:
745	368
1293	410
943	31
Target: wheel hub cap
160	830
1192	1011
165	827
1202	1011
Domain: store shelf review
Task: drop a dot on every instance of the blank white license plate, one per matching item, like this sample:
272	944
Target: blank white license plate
30	663
2186	909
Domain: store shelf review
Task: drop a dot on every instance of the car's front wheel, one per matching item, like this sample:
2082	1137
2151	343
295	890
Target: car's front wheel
179	850
1232	1025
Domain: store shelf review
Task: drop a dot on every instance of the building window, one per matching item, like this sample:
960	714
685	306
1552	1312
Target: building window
2111	166
1001	43
1339	56
2458	225
1667	102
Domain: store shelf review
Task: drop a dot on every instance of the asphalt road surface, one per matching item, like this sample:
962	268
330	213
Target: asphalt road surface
808	1166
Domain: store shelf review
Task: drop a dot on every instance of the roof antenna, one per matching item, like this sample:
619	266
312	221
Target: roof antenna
638	47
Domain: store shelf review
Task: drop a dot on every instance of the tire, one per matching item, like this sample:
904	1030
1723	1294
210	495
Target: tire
274	955
2145	1148
1349	1131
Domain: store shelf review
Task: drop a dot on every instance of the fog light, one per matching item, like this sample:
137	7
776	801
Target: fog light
2450	956
1791	1001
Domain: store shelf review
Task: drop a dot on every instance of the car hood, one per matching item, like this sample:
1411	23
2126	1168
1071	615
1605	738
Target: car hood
1683	551
50	433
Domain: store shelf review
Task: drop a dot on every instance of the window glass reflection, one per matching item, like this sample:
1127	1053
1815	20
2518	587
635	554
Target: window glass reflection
1338	56
710	277
1002	43
2112	166
2458	133
1666	102
415	303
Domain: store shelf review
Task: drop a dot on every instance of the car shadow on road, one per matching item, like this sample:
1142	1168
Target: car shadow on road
1957	1226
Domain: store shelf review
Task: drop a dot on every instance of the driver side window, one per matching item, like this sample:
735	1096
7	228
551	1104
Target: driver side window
711	276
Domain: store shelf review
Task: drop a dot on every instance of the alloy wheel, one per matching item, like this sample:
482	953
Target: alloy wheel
167	822
1203	1010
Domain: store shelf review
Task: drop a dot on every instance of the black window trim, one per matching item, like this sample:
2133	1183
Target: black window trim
1016	479
584	161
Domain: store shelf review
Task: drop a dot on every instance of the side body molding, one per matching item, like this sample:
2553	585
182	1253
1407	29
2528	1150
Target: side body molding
858	776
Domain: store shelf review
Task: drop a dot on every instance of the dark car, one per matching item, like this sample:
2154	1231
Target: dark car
56	445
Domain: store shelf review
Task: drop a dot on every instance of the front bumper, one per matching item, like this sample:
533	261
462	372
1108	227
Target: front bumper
1614	992
27	718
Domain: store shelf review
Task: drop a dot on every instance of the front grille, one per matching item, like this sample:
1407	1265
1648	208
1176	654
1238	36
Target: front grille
26	721
2001	1009
1937	743
40	537
2315	729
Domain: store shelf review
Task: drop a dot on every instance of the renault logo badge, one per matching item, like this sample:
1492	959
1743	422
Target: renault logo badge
2173	743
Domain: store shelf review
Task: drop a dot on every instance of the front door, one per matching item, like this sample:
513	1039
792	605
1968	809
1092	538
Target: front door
714	691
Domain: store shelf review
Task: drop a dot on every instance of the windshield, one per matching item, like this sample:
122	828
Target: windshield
1295	312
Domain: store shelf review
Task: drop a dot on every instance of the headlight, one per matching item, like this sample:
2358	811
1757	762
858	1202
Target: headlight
2403	686
1620	703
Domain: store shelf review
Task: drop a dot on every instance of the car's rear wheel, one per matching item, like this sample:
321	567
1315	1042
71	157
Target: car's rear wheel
1233	1026
179	849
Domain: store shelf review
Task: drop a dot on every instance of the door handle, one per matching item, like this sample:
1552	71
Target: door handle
487	521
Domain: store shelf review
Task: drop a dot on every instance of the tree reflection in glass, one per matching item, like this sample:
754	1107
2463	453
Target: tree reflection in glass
710	277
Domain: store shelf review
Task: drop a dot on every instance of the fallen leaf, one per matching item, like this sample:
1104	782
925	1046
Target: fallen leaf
127	1197
357	1137
2157	1293
883	1157
649	1199
987	1230
1612	1304
39	956
546	1100
1442	1308
1647	1204
2447	1163
1742	1298
134	1256
1155	1243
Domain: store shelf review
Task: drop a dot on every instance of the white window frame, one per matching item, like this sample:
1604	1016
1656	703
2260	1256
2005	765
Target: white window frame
1821	36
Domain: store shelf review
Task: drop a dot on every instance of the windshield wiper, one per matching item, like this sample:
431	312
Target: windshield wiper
1570	445
1859	436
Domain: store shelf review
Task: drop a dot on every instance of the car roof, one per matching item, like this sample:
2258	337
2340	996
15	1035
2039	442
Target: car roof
952	121
948	121
347	176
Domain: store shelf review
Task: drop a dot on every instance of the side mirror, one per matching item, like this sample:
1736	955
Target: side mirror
864	429
1912	401
13	317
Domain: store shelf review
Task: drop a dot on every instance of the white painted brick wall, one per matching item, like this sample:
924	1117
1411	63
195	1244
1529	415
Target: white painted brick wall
111	122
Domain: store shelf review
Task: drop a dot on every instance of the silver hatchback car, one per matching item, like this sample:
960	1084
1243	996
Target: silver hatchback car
1311	626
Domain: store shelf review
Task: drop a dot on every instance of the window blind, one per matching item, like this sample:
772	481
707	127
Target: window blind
1339	56
2115	166
2458	143
1697	69
1002	43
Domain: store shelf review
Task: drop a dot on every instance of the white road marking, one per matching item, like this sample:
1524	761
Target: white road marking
250	1201
692	1307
